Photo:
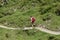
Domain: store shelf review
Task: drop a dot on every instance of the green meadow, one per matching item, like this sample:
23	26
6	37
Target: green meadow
16	13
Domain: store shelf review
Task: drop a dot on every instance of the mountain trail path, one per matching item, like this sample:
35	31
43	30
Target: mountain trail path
38	28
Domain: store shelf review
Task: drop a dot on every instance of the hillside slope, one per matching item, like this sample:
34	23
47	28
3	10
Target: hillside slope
15	13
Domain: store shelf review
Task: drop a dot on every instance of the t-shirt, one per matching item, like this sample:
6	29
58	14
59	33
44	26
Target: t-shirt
32	19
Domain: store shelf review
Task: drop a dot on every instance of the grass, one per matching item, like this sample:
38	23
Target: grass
25	35
15	13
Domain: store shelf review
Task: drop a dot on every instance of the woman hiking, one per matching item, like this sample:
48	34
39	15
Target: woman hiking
32	20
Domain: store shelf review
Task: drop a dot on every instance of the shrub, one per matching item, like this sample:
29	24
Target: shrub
57	12
1	15
7	36
51	37
47	17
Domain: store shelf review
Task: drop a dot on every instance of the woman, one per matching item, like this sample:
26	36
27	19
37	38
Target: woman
32	20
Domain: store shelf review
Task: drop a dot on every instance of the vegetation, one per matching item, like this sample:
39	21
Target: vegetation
16	13
26	35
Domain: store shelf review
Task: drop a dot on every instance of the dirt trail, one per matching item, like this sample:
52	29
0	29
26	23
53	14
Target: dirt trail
27	28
